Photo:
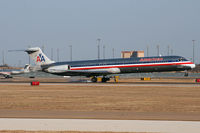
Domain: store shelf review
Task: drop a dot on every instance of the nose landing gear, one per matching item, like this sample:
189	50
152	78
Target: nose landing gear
186	74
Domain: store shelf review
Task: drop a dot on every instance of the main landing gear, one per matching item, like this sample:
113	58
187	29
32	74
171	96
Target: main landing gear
104	79
100	79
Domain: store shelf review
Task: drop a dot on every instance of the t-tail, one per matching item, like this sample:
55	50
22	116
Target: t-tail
38	56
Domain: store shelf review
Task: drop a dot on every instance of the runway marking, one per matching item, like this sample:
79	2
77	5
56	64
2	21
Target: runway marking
99	125
112	84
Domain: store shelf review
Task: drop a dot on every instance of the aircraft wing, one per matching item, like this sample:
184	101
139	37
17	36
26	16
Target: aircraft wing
93	72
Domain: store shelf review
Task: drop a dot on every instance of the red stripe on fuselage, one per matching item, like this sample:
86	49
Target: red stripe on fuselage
135	65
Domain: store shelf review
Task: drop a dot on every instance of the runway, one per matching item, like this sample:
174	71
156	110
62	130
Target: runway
99	125
111	84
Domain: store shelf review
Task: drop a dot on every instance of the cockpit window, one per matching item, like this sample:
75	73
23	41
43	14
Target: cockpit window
180	59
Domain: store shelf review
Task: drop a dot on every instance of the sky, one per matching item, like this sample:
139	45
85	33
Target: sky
120	24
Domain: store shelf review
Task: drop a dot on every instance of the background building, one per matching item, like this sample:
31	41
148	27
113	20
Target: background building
138	54
128	54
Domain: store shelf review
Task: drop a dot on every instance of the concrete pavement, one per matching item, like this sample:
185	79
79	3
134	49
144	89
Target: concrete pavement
99	125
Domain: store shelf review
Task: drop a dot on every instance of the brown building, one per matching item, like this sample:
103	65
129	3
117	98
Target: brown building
128	54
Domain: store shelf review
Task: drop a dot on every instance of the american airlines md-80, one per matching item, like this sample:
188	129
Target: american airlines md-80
106	67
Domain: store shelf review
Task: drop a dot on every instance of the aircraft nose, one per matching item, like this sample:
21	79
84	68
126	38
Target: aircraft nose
192	66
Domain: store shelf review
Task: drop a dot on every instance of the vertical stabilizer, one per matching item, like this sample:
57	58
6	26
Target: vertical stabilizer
38	56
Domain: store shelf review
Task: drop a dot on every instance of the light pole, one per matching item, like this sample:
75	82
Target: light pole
29	59
104	48
193	51
58	54
70	46
172	51
147	50
168	47
98	47
158	50
113	52
51	53
3	60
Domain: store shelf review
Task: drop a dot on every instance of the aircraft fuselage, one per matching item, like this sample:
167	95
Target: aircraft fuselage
118	66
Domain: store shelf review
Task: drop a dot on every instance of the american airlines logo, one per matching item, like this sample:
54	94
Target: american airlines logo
40	58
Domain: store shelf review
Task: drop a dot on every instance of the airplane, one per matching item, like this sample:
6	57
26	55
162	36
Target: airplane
107	67
26	69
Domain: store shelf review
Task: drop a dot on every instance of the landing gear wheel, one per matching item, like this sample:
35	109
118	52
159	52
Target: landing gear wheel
94	79
105	79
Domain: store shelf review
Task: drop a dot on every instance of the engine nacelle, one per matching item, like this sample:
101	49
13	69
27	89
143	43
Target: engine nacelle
58	69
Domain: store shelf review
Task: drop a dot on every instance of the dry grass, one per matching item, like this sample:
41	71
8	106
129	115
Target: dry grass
100	98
